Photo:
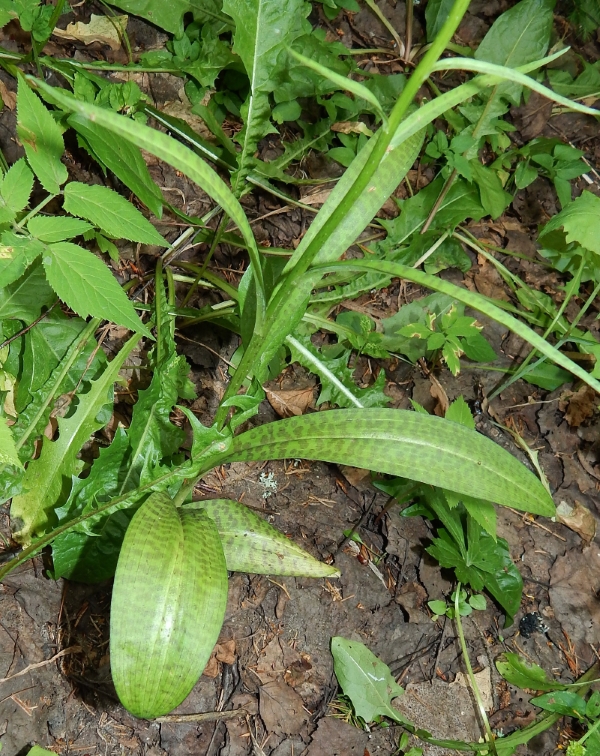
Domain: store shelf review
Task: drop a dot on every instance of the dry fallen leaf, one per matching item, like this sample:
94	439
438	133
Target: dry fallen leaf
578	405
290	402
8	98
225	652
351	127
577	518
100	29
574	585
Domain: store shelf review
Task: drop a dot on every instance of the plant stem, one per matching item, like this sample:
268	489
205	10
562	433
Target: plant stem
473	681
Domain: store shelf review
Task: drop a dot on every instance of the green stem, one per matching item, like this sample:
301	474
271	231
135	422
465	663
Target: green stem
473	681
35	211
591	731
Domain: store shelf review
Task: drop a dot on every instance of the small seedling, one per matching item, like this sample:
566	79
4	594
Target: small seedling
466	604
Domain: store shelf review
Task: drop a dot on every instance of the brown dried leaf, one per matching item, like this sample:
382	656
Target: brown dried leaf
577	518
290	402
579	405
100	29
8	98
574	583
225	652
281	709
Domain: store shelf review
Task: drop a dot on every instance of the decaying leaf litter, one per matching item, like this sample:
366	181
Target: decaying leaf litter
273	658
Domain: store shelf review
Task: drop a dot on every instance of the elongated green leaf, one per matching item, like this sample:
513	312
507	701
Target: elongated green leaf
408	444
41	137
169	150
357	89
168	606
55	229
501	73
471	299
263	29
124	159
84	282
110	212
8	450
45	477
366	680
250	544
518	36
517	671
391	171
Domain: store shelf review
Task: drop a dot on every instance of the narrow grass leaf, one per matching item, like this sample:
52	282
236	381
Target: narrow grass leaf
357	89
471	299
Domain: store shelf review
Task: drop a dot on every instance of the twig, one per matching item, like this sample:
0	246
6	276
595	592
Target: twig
60	654
207	716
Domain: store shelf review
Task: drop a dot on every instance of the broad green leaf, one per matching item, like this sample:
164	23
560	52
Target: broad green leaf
520	35
57	228
8	450
471	299
37	751
31	512
263	29
167	16
169	150
84	283
366	680
564	702
403	443
168	605
459	412
25	298
493	197
250	544
517	671
41	138
482	512
124	159
109	211
16	255
45	347
16	187
77	554
580	221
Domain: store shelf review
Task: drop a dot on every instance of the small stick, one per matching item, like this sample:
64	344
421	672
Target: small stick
208	716
60	654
